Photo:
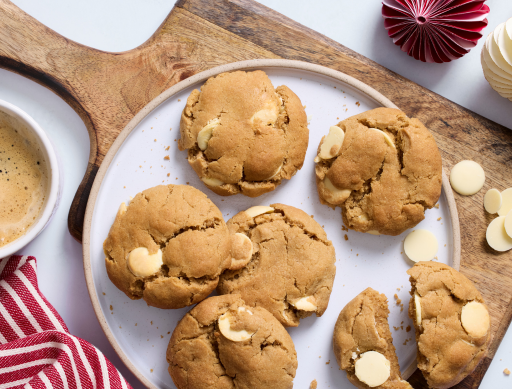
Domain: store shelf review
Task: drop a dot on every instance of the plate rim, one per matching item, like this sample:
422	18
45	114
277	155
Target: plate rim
164	96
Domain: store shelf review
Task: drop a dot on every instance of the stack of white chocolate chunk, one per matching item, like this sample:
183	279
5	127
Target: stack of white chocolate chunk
499	232
497	59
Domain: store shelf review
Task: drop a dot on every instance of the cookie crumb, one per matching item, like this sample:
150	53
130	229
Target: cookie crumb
151	322
506	372
151	370
329	361
135	324
313	384
167	148
401	307
111	307
407	329
103	293
439	218
155	140
346	237
168	332
358	104
437	205
167	158
179	99
343	228
161	336
396	328
168	174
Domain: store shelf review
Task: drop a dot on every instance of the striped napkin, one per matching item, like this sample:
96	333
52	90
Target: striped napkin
36	348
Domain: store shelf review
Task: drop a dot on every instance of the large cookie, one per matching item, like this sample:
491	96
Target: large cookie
452	323
242	135
168	247
363	344
286	262
224	344
382	168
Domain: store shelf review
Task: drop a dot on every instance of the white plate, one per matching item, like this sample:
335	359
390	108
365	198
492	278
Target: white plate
140	334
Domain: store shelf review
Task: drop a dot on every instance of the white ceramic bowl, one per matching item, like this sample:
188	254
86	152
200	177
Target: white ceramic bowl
22	121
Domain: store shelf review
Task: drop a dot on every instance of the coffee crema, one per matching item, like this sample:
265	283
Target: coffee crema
23	183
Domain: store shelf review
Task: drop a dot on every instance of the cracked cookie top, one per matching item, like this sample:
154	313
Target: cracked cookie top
242	135
362	327
168	247
384	171
223	343
452	323
292	266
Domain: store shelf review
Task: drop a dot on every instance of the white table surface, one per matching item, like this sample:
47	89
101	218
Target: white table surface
118	25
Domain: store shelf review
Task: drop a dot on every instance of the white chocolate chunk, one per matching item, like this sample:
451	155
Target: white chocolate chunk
506	204
242	309
142	264
336	195
508	223
225	329
420	245
259	210
212	181
267	115
467	178
241	251
354	355
387	139
206	133
373	232
332	143
497	236
475	319
417	308
373	368
122	209
492	201
276	173
307	303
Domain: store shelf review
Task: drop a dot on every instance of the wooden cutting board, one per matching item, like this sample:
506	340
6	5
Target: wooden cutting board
108	89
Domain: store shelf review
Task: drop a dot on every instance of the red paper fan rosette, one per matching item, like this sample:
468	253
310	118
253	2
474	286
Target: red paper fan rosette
435	30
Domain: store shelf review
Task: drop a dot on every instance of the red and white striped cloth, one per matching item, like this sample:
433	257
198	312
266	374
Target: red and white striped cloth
36	349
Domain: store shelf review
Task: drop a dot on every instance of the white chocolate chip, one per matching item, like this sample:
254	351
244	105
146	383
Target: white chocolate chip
307	303
142	264
497	236
242	309
212	181
363	217
475	319
508	224
417	308
258	210
336	196
354	355
373	232
268	115
241	251
506	204
276	173
492	201
387	139
122	209
467	178
206	133
372	368
225	329
332	143
420	245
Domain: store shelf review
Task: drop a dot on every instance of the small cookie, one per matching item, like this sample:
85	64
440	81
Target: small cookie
242	135
363	344
291	267
168	247
452	323
223	344
384	171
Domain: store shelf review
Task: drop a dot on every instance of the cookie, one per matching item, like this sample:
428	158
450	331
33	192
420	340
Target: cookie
452	323
363	344
289	266
382	168
243	136
168	247
223	343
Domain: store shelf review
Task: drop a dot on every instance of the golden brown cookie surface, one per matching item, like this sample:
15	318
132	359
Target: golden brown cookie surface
384	175
361	329
168	247
242	135
452	323
256	353
292	266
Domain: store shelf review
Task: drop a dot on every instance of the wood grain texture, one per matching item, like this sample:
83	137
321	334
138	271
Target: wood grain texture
108	89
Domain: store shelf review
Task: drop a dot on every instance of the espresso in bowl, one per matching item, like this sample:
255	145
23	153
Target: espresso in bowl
29	179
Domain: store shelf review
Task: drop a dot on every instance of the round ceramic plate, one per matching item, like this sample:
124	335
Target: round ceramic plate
138	160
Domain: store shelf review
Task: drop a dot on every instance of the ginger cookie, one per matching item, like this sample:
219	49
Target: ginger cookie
282	262
222	344
452	323
242	135
168	247
363	344
382	169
